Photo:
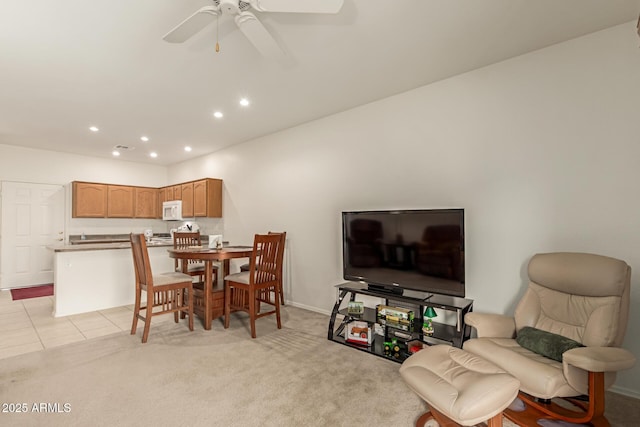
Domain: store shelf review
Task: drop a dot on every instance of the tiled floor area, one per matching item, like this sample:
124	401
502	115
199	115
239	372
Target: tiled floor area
28	325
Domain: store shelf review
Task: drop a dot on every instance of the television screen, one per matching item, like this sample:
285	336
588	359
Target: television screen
420	250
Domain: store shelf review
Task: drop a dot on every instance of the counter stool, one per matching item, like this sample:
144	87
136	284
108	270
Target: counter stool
459	387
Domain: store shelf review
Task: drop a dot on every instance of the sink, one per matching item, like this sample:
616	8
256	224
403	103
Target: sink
160	241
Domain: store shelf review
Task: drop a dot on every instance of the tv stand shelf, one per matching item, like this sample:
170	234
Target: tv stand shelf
454	335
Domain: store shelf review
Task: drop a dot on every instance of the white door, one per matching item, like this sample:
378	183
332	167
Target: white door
32	218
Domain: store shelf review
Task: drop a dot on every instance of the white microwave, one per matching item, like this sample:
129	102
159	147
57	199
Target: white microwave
172	211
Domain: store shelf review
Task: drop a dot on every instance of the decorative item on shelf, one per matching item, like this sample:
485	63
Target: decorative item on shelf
427	324
415	346
378	329
358	332
396	349
355	308
394	314
388	345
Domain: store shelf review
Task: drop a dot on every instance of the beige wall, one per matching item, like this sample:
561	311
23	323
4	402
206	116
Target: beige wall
542	151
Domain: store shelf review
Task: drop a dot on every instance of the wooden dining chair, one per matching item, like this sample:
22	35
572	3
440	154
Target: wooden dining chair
245	291
283	238
165	293
195	268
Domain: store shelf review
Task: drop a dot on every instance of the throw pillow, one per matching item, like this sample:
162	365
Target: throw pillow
545	343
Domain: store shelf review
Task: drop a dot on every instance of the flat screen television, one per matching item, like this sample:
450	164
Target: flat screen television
421	250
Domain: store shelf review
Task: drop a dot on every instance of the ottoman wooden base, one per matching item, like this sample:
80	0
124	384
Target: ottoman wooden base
444	421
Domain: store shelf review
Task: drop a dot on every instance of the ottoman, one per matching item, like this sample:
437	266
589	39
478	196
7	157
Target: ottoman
458	387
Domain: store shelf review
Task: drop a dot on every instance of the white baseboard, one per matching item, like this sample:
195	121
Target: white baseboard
307	307
625	391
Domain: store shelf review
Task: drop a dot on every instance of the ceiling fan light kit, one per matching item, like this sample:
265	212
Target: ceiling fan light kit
247	22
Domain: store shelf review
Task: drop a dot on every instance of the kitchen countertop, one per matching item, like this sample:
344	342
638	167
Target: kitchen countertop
99	246
101	242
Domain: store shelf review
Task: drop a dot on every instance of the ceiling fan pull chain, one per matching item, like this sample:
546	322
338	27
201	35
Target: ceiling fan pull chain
217	26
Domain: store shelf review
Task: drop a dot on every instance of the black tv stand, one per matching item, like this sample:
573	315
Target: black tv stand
395	290
445	333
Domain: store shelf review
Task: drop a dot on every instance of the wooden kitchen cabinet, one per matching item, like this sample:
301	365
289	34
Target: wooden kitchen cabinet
119	201
177	192
207	198
187	200
161	199
168	194
202	198
145	202
89	200
173	192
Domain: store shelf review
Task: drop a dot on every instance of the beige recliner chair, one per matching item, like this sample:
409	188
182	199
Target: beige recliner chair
574	300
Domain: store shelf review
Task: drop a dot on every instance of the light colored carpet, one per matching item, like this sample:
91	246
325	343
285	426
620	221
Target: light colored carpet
288	377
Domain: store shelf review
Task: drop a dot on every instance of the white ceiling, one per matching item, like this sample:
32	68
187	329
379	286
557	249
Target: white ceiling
66	65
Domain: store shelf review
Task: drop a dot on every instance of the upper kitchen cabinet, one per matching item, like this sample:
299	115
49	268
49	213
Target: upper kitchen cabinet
161	199
201	198
207	198
119	201
168	193
145	202
89	200
187	200
177	192
173	192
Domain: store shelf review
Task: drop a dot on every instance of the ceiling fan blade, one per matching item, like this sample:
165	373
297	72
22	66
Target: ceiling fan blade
191	25
297	6
258	35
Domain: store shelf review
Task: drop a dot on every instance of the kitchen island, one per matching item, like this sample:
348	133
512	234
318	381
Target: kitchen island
98	276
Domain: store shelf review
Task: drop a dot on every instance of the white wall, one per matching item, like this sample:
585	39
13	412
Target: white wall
542	152
48	167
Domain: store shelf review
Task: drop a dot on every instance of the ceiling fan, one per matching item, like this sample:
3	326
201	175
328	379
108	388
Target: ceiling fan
247	22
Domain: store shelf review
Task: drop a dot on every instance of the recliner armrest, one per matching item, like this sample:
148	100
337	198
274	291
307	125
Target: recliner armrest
599	359
491	325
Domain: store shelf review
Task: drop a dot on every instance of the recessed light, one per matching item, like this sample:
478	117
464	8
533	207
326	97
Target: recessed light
94	129
115	153
218	115
187	149
153	154
144	138
244	102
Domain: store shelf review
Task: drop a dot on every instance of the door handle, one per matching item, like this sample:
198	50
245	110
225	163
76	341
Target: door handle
60	240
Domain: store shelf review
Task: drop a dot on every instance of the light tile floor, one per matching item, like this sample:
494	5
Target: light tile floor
28	325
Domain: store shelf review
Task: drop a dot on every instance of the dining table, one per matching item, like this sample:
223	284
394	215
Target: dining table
208	256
